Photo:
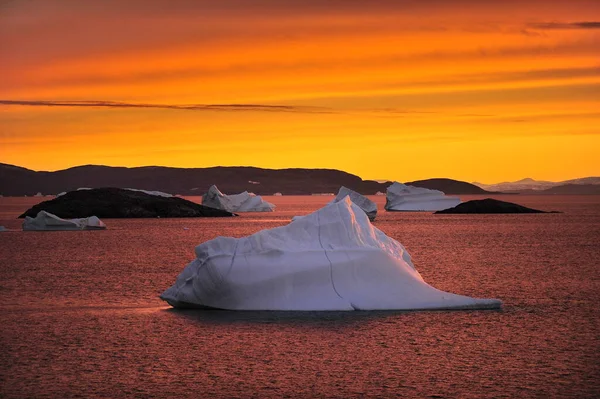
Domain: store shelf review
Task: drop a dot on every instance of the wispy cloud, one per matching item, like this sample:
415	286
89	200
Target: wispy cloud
184	107
566	25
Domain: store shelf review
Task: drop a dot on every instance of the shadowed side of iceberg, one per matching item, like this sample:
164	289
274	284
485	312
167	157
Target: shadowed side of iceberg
402	198
332	259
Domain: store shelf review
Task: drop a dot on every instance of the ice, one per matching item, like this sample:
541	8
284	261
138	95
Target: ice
332	259
368	206
401	197
79	189
155	193
46	221
243	202
2	228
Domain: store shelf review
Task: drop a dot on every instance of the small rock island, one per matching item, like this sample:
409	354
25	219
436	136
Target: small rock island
122	203
489	205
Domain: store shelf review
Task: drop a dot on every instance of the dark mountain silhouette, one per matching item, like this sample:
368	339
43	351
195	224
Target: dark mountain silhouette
449	186
567	189
119	203
16	181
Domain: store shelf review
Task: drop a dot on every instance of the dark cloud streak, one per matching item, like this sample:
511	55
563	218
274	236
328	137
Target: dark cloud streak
183	107
566	25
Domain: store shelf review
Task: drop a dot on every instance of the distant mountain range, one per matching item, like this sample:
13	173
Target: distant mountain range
18	181
529	185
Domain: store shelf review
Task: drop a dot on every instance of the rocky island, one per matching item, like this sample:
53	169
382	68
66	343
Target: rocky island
489	205
121	203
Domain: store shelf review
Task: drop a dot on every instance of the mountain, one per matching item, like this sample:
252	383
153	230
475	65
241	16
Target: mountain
15	181
195	181
528	184
573	189
449	186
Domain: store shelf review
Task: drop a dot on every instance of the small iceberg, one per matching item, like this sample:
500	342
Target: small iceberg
2	228
155	193
368	206
400	197
330	260
45	221
242	202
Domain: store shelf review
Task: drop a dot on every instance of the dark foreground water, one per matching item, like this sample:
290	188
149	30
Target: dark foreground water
80	314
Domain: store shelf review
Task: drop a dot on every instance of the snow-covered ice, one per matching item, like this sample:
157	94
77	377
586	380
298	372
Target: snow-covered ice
155	193
400	197
46	221
331	259
368	206
242	202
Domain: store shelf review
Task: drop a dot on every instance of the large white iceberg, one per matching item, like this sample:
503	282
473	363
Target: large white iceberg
368	206
332	259
242	202
400	197
46	221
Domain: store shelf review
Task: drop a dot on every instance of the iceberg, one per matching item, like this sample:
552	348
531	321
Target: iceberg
45	221
330	260
400	197
242	202
2	228
368	206
155	193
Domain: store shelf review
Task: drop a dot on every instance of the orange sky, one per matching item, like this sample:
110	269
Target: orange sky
397	90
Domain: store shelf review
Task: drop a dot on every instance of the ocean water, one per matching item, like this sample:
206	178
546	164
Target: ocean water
80	314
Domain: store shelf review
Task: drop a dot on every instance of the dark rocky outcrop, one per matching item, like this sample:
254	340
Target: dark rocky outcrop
489	205
119	203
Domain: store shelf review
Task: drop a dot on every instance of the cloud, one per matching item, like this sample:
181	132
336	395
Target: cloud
185	107
566	25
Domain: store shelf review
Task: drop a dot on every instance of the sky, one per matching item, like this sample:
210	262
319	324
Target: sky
397	90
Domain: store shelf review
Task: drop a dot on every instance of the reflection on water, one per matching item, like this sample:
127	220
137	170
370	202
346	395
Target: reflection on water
80	313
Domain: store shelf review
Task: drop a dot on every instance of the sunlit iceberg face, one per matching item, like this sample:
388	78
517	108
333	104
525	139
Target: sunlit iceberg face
332	259
242	202
368	206
400	197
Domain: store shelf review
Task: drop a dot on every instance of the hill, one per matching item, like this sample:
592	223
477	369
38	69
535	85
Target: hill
527	185
16	181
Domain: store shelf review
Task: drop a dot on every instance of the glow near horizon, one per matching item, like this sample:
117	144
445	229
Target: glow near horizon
408	90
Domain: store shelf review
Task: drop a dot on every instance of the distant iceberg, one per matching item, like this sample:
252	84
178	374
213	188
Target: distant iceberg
331	259
45	221
155	193
368	206
2	228
79	189
400	197
243	202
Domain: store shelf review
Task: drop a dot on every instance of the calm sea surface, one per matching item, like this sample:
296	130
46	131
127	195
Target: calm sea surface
80	314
